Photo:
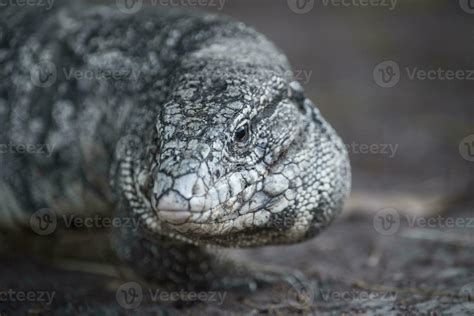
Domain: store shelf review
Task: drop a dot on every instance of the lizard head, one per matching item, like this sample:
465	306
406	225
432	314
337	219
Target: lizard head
244	159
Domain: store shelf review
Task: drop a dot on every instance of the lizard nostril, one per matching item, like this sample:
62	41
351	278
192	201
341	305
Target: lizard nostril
217	173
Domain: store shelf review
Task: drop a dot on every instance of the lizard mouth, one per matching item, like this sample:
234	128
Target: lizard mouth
246	209
207	208
238	213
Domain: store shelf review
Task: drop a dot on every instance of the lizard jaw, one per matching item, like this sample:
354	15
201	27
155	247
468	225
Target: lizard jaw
237	202
222	202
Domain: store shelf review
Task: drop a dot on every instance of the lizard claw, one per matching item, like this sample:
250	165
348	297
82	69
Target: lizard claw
273	275
256	276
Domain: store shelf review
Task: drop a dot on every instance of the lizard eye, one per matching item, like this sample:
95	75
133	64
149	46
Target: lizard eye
241	134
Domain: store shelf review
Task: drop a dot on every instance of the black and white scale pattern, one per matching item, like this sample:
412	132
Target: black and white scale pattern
187	120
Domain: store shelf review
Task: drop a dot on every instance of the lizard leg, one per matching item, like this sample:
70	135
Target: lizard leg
178	265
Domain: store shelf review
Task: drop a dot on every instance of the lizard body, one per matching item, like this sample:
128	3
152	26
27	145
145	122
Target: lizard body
185	121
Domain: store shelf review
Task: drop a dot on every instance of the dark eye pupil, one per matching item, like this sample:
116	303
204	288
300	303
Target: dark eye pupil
241	134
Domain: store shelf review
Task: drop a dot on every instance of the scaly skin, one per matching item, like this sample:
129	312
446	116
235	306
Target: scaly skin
202	134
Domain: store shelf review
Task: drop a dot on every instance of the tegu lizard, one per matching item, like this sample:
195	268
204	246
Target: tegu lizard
187	122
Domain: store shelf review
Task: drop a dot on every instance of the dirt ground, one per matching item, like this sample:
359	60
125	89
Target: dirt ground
356	267
405	244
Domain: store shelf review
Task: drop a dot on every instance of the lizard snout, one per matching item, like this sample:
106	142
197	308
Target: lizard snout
176	199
